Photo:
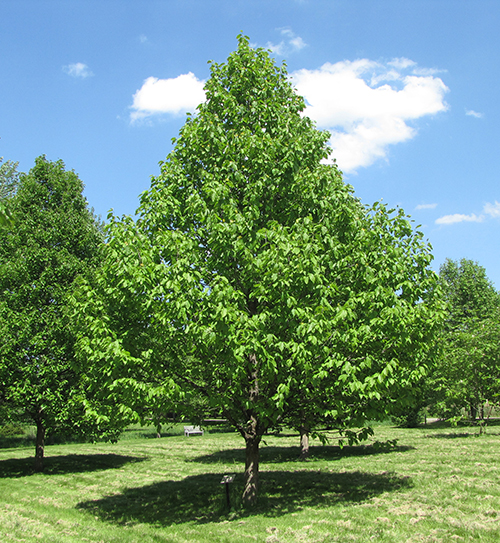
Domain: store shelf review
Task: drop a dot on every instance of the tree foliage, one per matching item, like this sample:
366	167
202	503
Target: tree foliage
468	374
253	277
468	292
9	179
56	238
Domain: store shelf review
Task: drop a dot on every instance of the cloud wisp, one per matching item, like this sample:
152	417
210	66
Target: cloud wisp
425	206
289	44
172	96
472	113
492	210
459	217
78	70
489	211
368	106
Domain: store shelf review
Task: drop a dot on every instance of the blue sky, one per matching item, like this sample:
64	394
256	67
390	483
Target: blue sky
408	89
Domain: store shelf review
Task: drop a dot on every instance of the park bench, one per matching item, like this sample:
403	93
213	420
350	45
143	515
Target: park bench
192	430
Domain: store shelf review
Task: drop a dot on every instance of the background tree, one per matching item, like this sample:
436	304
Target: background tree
9	179
469	368
256	274
56	238
314	411
468	292
411	412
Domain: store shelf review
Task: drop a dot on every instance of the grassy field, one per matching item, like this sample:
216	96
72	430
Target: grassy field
438	484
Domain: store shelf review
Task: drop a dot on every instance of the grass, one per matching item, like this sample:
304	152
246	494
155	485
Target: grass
438	484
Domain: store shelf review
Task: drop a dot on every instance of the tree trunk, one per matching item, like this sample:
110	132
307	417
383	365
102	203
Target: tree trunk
482	427
252	443
252	434
304	443
473	412
39	445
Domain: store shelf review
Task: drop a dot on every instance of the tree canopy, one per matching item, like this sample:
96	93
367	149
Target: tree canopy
468	373
468	291
252	275
9	179
56	238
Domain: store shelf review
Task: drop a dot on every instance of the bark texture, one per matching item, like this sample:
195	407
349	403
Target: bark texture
39	445
251	469
253	435
304	443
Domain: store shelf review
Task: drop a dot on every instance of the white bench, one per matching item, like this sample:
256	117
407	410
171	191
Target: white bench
193	430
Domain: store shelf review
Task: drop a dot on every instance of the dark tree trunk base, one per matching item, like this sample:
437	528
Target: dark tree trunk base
39	445
251	470
304	443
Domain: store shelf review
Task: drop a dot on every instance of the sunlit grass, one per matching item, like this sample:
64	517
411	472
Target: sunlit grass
437	484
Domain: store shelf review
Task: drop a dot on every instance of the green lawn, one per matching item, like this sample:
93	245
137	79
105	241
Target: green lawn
438	484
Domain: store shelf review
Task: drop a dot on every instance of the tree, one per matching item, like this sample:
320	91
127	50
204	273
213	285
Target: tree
471	367
468	292
255	275
56	238
9	179
468	374
315	409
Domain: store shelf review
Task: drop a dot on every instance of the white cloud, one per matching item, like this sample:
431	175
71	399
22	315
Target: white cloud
298	43
472	113
426	206
493	210
458	217
78	69
401	63
426	71
489	211
289	44
367	105
172	96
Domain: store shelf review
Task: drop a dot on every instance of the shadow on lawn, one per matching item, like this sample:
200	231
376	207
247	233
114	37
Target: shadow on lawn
201	498
71	463
455	435
273	455
469	429
445	424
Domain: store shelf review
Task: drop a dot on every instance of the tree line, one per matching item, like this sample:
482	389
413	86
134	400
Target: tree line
251	283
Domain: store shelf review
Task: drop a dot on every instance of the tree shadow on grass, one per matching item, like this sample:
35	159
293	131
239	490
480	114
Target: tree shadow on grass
201	498
446	424
273	455
71	463
455	435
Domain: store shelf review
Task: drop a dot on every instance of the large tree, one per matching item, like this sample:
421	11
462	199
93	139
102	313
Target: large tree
56	238
468	373
252	276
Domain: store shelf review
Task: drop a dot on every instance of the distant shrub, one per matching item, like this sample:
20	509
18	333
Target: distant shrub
411	417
